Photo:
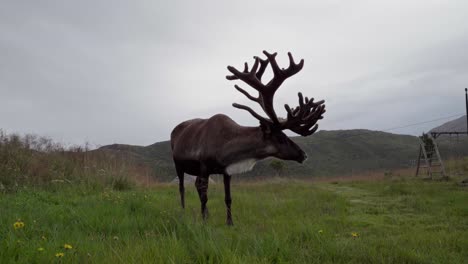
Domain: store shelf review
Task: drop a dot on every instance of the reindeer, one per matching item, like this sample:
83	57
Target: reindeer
218	145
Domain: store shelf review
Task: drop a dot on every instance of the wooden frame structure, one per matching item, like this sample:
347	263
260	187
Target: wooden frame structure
427	151
433	163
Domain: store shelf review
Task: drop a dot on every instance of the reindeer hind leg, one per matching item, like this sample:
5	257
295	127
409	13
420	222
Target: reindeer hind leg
202	187
180	175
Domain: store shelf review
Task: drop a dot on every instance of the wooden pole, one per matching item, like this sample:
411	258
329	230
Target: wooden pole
419	160
466	104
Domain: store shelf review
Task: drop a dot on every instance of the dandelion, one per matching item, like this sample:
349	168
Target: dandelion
354	234
18	224
320	231
67	246
40	249
59	255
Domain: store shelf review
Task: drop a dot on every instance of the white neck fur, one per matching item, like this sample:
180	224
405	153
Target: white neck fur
241	166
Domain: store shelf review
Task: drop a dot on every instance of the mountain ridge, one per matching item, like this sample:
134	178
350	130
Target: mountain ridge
456	125
330	153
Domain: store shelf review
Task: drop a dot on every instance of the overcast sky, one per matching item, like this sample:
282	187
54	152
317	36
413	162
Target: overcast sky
129	71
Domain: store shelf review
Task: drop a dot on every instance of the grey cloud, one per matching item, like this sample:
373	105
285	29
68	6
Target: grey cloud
129	71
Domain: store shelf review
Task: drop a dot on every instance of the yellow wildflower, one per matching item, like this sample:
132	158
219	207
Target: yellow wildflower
18	224
40	249
320	231
354	234
67	246
59	254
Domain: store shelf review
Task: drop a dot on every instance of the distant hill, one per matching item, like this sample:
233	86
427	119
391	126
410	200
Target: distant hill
457	125
330	153
340	152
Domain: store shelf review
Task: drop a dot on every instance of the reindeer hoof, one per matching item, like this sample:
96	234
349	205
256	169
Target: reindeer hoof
205	214
229	222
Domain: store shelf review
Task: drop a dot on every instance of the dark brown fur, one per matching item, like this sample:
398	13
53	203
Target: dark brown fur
202	147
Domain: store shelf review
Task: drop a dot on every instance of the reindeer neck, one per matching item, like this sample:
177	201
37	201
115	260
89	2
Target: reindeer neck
249	144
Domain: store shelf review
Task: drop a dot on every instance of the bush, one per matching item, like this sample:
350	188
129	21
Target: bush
122	183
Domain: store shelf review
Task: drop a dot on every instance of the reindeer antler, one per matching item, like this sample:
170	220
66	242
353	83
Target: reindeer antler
299	120
302	119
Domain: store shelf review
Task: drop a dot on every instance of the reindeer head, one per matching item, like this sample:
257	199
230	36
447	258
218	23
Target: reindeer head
301	119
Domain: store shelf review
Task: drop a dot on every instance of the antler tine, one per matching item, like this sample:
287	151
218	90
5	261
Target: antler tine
293	67
247	76
255	99
233	77
272	59
252	112
263	66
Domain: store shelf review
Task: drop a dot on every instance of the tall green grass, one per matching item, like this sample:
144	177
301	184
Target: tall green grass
395	221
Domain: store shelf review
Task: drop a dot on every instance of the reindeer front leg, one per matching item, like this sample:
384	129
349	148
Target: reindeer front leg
227	198
202	187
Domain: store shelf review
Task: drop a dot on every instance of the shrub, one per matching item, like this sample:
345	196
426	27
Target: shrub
38	161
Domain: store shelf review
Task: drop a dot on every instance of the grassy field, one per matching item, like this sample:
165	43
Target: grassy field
386	221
